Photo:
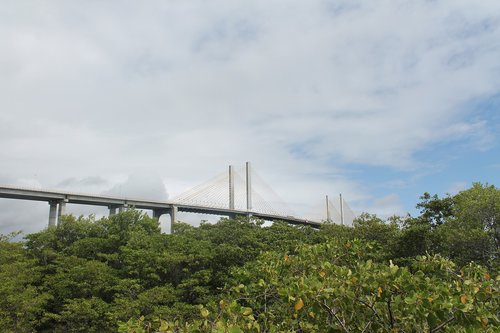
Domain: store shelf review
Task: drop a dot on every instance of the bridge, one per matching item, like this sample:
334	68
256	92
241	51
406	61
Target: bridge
229	194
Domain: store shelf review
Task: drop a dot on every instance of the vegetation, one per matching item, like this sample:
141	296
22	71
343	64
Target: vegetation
437	272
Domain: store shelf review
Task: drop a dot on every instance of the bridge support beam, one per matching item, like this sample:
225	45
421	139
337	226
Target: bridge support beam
122	208
173	216
52	213
61	210
157	213
112	209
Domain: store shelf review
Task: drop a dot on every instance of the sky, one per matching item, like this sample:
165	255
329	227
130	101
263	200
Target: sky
380	100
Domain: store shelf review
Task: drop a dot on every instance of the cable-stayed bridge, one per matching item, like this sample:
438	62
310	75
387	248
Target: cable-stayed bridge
239	191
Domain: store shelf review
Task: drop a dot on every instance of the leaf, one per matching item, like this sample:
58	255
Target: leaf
322	274
379	291
393	268
247	311
299	305
163	325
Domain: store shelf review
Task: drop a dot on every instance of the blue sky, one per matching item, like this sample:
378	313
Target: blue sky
378	100
444	167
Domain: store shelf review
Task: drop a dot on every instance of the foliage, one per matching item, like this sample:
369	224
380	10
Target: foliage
435	210
472	232
21	300
372	228
424	273
341	287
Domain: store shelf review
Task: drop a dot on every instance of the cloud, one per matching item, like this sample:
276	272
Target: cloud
88	181
141	185
388	206
25	216
304	90
457	187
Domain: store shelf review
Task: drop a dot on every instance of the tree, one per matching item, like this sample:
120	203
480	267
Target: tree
84	315
372	228
479	207
341	287
473	230
435	210
21	300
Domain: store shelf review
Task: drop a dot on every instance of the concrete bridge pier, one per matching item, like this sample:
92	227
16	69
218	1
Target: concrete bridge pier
57	208
173	216
157	213
113	209
122	208
52	212
61	210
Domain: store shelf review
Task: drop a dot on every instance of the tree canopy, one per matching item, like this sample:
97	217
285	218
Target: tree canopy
437	271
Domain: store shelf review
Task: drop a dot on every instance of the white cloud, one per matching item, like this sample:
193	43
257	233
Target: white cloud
140	185
102	89
388	206
457	187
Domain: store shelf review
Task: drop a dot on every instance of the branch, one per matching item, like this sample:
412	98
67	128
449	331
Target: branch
371	308
440	326
366	326
334	315
390	312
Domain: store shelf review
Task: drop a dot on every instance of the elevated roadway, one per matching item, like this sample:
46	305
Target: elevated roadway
57	201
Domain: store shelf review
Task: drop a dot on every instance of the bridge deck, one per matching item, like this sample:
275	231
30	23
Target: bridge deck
160	207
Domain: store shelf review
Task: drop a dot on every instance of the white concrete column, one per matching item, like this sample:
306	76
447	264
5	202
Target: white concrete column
61	210
173	216
52	213
122	208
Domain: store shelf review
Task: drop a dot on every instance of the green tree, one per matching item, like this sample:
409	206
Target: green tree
341	287
435	210
372	228
479	207
472	232
22	302
84	315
